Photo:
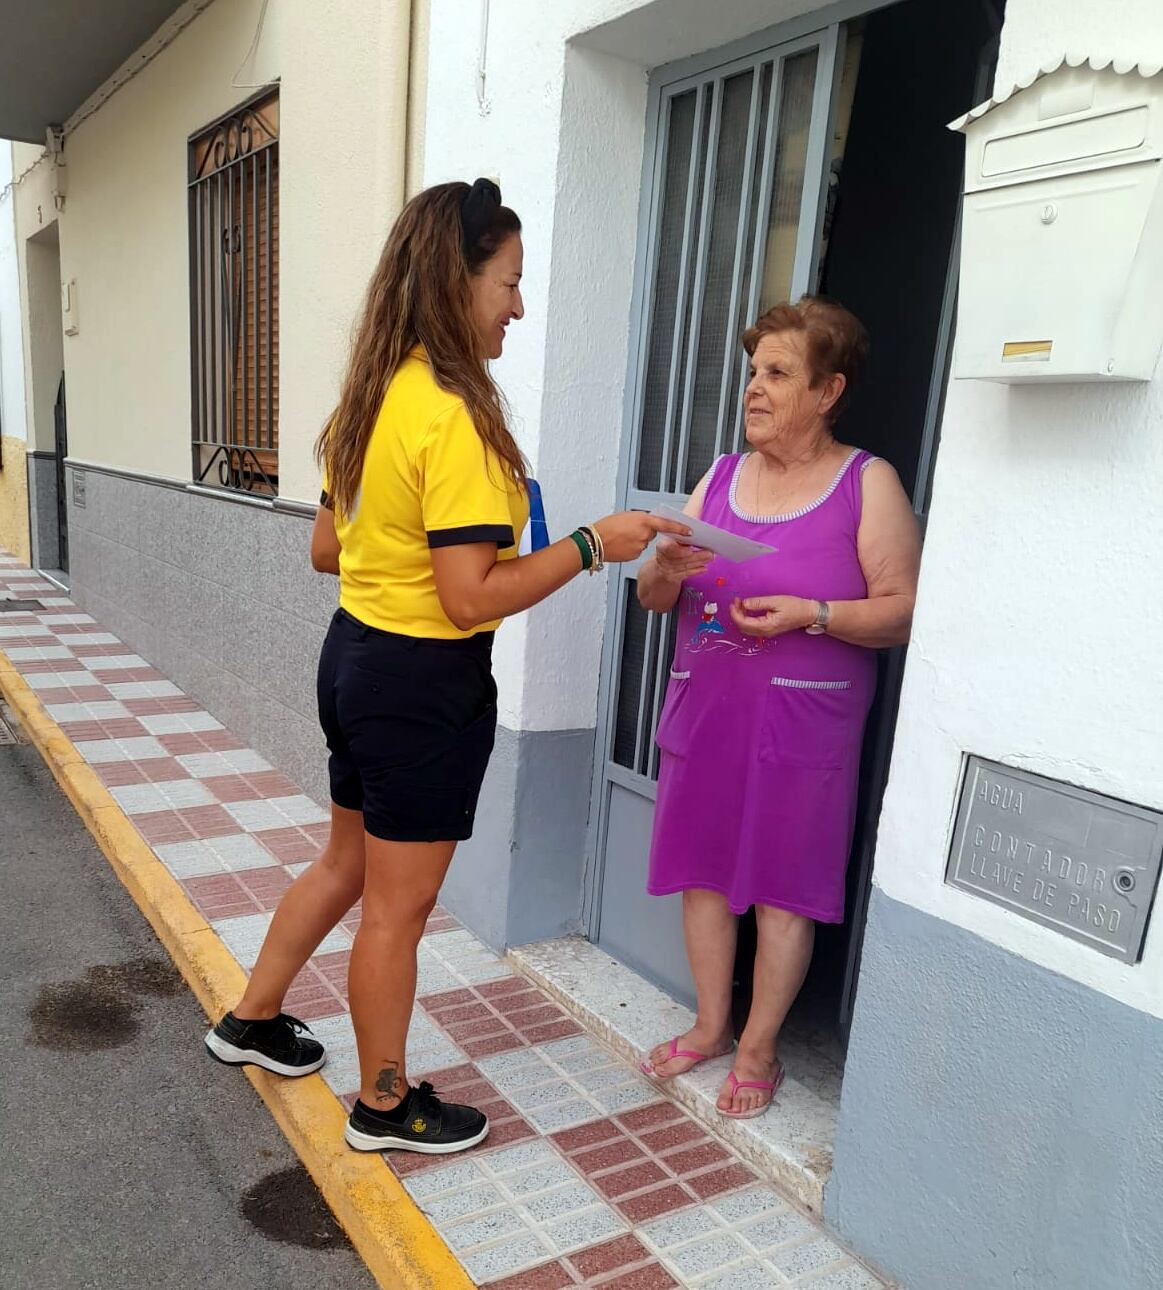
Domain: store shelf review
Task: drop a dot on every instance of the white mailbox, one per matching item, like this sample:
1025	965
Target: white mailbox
1062	229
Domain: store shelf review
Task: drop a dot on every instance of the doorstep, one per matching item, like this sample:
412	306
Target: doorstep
58	577
792	1144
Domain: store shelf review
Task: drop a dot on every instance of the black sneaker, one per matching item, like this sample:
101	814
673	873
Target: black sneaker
421	1122
275	1045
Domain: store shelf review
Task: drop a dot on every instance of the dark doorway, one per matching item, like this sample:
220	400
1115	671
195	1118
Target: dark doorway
60	426
891	238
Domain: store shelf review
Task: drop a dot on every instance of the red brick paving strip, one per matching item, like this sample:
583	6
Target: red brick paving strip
671	1135
250	788
623	1262
439	921
600	1260
245	891
506	985
200	741
647	1117
721	1180
564	1029
548	1276
490	1047
640	1209
289	845
504	1015
654	1277
107	728
219	895
83	649
621	1152
74	694
312	996
621	1182
156	770
651	1160
191	822
39	666
150	707
121	675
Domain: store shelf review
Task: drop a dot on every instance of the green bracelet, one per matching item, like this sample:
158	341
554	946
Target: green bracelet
584	547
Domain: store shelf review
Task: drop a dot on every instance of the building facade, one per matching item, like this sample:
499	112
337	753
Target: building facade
191	262
1000	1100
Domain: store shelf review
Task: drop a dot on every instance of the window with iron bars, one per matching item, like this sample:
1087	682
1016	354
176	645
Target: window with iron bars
234	298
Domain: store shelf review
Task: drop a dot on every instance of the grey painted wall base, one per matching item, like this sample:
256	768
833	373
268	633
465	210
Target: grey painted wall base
1000	1125
219	596
520	877
222	598
42	510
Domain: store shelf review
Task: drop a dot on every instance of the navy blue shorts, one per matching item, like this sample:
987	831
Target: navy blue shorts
410	724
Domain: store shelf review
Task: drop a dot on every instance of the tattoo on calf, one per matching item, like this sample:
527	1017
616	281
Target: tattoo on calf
388	1081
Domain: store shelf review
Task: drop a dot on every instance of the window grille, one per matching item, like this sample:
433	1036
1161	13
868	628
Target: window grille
234	298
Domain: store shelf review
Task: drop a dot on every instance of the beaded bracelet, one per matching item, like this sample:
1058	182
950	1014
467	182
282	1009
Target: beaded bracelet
593	528
596	547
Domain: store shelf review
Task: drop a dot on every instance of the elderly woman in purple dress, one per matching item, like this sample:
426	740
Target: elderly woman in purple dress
773	676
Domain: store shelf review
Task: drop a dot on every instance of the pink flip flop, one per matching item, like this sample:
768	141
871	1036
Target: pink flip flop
696	1058
737	1084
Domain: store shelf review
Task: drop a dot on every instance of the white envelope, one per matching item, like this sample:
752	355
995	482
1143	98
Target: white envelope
729	545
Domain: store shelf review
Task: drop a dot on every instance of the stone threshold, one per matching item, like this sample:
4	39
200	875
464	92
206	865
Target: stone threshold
58	577
791	1145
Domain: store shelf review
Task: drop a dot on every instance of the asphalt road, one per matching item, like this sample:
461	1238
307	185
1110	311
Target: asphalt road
130	1161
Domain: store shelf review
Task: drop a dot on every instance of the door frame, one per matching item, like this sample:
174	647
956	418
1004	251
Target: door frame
868	826
61	440
824	28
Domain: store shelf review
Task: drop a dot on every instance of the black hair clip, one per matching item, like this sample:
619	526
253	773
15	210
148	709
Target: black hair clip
477	208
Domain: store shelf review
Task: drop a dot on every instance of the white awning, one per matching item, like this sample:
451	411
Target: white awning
1124	66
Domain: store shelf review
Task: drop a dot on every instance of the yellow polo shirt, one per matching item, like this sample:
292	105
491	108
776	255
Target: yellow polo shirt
428	481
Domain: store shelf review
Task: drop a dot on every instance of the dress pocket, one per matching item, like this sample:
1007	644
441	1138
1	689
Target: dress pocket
673	734
810	723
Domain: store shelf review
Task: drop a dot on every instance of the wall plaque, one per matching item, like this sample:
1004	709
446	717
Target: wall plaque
78	488
1082	863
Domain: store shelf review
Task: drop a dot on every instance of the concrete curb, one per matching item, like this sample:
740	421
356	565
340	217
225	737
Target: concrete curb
400	1247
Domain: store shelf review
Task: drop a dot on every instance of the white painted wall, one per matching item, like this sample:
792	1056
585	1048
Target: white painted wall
562	126
1040	619
1040	31
11	353
37	240
342	66
14	535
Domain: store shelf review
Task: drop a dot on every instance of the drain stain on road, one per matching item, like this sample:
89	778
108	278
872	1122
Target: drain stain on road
286	1206
101	1010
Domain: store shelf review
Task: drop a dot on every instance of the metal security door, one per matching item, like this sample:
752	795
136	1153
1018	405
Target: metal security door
737	163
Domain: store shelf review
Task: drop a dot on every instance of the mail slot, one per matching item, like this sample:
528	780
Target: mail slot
1062	229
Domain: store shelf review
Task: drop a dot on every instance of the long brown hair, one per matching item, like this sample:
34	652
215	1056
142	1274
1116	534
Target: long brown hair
420	294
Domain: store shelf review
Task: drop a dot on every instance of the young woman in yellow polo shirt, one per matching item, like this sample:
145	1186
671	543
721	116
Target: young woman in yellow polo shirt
425	498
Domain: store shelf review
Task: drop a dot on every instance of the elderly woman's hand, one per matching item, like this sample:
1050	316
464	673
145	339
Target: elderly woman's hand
677	562
769	616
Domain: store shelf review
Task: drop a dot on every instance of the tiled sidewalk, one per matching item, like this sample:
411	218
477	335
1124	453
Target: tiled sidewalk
589	1176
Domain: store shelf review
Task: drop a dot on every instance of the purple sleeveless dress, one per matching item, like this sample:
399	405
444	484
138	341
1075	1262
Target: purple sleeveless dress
761	739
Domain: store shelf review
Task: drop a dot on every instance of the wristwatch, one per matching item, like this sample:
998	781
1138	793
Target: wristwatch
823	617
